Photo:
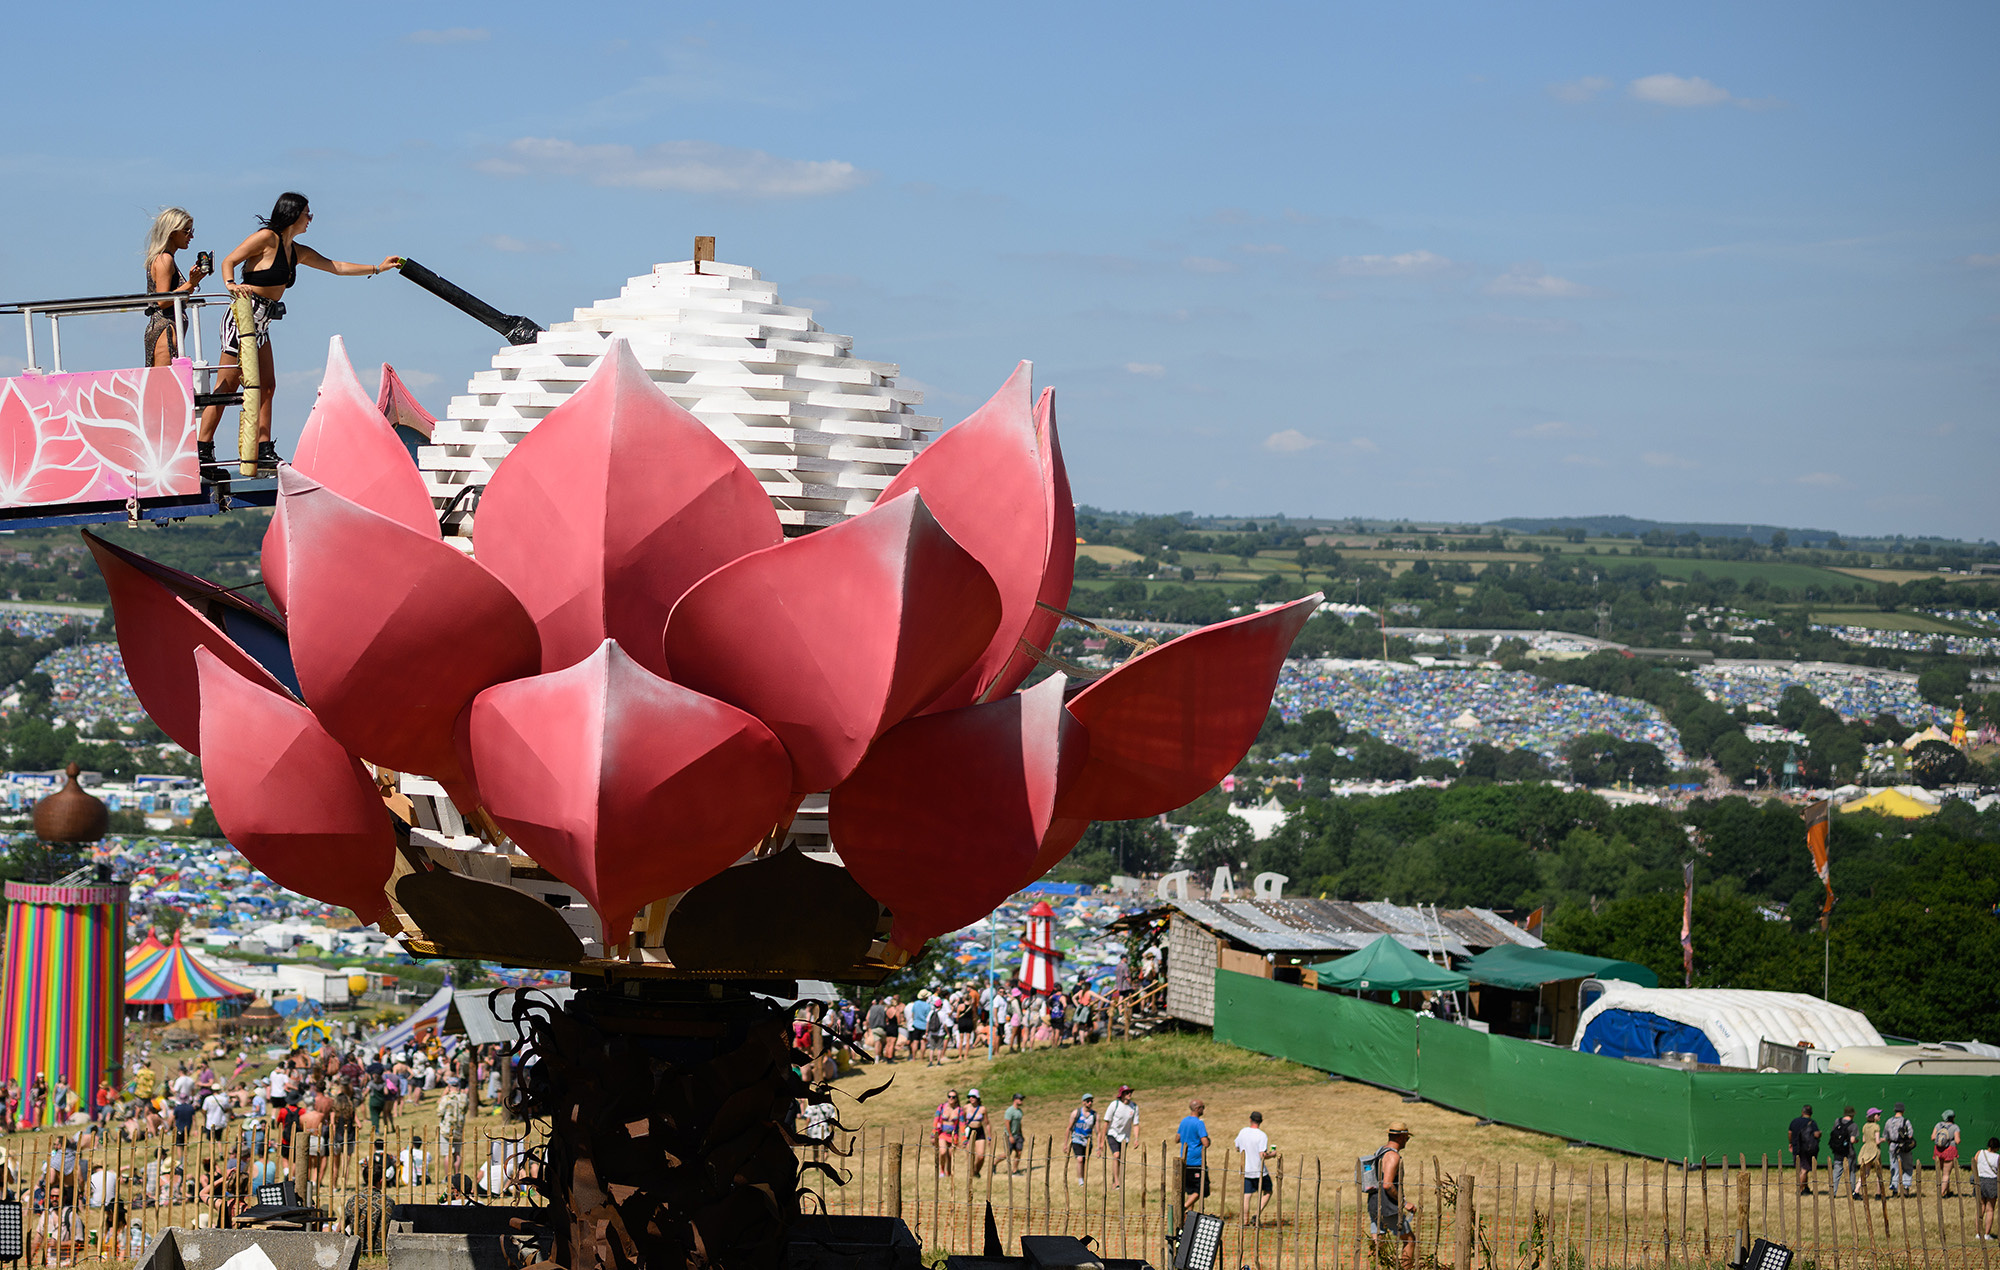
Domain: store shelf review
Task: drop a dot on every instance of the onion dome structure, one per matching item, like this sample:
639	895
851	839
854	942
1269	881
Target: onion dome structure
69	816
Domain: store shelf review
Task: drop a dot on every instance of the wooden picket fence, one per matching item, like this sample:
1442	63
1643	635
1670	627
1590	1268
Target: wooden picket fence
1490	1215
104	1200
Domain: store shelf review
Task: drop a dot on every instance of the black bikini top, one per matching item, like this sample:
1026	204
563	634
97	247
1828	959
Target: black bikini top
283	270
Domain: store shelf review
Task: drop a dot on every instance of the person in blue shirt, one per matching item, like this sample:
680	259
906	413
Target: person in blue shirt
919	1018
1194	1156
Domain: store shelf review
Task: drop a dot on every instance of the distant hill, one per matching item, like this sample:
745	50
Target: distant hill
1612	526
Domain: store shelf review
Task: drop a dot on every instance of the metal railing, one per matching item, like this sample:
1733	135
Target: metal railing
183	303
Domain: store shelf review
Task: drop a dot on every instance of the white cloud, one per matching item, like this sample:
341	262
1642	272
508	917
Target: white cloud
1579	90
450	35
1207	264
1405	264
1660	458
1555	428
1529	280
684	167
1152	369
1290	441
1823	480
1674	90
1989	261
529	246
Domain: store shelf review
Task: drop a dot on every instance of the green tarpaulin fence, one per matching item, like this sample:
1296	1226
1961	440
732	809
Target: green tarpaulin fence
1665	1112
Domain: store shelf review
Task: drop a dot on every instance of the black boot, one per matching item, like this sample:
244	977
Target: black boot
211	471
267	456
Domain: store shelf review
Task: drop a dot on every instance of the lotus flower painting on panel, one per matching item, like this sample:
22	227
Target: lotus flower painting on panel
633	680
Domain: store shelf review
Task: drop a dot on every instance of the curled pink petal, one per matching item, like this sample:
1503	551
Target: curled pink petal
400	406
393	632
1059	570
614	506
1171	722
984	481
833	638
349	447
981	778
622	784
296	804
159	631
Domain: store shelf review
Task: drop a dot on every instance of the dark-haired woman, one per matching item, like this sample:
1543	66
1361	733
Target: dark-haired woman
270	260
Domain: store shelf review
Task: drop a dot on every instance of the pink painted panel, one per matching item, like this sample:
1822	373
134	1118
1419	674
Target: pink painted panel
96	435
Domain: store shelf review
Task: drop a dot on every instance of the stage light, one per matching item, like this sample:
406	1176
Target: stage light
1199	1243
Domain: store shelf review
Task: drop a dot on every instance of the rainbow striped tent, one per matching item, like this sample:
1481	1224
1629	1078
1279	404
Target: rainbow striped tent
179	985
147	948
60	1009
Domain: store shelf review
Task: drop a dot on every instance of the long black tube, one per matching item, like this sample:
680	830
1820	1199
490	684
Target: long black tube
517	329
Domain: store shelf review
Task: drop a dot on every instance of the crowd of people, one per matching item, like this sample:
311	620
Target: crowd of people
1874	1158
208	1133
942	1025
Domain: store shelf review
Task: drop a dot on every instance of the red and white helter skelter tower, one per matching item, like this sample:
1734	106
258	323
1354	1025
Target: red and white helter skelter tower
1038	950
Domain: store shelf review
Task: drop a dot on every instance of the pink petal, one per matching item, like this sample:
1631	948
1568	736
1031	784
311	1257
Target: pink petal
393	632
833	638
349	448
159	632
984	481
1059	571
610	509
296	804
983	779
622	784
1171	722
400	406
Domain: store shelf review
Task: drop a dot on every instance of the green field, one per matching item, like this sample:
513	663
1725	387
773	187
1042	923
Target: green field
1774	573
1876	620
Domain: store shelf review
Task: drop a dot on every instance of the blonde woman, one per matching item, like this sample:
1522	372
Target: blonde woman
173	230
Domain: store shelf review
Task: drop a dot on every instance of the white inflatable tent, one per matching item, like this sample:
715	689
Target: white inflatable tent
1716	1025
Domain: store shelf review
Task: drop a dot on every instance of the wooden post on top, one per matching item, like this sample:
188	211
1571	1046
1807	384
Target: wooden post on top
704	249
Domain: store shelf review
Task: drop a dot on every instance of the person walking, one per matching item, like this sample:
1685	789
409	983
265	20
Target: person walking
1899	1138
878	1030
975	1129
1254	1145
1804	1141
1121	1121
1082	1130
937	1029
944	1130
1869	1163
1944	1151
1017	1137
1841	1141
1390	1212
1986	1184
1193	1135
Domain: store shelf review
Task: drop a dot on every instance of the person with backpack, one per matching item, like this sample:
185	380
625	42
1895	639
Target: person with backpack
1841	1142
1804	1142
1944	1148
1389	1211
1899	1139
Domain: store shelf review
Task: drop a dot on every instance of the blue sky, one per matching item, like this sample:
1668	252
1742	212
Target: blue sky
1451	261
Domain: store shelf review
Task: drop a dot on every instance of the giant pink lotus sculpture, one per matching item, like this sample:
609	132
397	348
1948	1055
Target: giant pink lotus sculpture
636	678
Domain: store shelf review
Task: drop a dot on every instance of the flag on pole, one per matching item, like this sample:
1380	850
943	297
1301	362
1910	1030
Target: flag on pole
1817	815
1687	929
1532	923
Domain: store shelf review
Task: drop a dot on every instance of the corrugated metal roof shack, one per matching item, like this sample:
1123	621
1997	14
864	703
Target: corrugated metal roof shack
1278	939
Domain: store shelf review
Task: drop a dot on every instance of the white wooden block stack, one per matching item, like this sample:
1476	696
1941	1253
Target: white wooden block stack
823	431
